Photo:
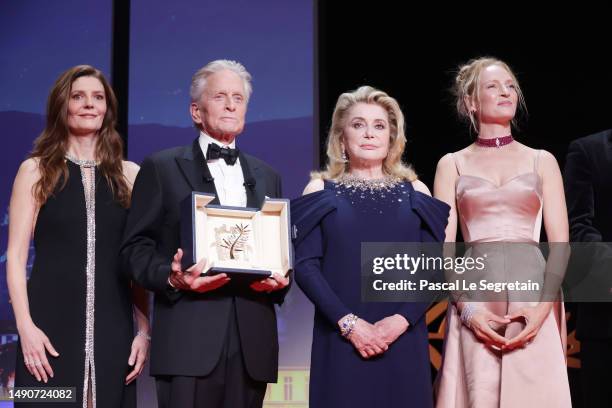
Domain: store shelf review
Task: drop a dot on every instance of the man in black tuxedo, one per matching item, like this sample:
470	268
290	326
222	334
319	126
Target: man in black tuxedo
214	341
588	188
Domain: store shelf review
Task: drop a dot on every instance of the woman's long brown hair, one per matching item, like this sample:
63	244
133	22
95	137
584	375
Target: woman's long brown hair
51	146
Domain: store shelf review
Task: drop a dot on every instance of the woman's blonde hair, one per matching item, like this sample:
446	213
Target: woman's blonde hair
467	84
392	165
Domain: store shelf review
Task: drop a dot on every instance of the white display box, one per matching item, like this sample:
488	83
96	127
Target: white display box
242	242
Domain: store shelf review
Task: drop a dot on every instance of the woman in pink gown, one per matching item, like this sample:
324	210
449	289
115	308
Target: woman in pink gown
500	190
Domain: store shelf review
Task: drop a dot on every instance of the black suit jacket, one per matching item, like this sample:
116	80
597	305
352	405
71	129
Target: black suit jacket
189	328
588	189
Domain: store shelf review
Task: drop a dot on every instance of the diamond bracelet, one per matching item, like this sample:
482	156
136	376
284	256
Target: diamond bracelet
467	312
144	334
347	324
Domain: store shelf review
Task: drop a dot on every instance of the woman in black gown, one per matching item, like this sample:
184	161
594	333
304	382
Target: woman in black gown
74	315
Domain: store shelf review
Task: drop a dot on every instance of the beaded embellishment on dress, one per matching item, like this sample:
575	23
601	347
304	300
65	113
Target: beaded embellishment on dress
379	193
386	183
89	187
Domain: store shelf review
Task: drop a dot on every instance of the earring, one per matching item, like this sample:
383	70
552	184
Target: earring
472	114
344	157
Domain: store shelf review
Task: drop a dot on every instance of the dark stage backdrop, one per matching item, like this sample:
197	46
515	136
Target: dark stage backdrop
561	59
562	62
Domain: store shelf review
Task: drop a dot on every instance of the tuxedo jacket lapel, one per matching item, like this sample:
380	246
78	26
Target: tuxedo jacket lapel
195	170
254	183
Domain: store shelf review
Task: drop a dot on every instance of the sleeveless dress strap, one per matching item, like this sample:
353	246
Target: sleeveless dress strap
536	161
457	167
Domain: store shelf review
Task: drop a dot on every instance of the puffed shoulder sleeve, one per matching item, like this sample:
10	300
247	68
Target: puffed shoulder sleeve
434	218
434	215
307	214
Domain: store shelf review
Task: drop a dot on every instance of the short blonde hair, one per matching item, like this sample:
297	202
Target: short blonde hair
392	165
467	84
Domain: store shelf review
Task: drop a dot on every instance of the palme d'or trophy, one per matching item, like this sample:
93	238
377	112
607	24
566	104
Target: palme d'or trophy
244	243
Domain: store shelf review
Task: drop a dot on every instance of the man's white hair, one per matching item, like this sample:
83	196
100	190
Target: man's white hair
198	82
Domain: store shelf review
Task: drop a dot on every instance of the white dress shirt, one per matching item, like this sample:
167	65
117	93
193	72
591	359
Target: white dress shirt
229	180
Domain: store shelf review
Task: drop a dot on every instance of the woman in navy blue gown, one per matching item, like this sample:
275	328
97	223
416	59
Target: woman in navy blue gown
364	354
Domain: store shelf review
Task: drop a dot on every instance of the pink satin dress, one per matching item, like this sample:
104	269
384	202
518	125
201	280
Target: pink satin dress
473	374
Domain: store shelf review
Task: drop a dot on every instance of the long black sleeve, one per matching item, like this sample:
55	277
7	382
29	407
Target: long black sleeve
139	256
579	194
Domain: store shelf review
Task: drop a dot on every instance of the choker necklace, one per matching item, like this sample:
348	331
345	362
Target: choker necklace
494	142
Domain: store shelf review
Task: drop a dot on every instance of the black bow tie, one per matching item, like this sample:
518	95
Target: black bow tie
215	152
